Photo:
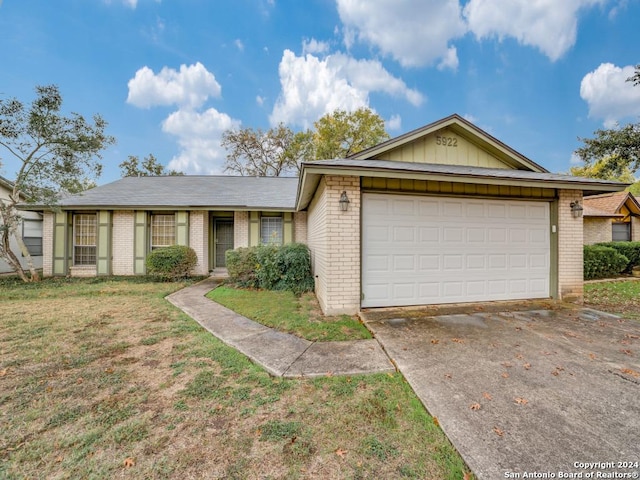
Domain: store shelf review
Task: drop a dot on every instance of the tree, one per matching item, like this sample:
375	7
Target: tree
635	78
262	154
56	153
150	167
613	153
341	133
279	151
600	169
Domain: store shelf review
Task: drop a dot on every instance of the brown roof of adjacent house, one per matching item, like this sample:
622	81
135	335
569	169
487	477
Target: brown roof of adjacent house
609	204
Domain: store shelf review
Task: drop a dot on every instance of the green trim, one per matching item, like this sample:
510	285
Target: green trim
254	229
61	244
287	227
182	228
554	256
140	242
103	247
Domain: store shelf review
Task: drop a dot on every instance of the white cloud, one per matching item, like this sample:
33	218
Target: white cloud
314	46
549	25
259	100
609	96
199	136
189	87
312	87
239	45
415	33
449	60
394	123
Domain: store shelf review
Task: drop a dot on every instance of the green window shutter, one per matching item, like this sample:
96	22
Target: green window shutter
254	229
182	228
103	260
141	242
61	244
287	227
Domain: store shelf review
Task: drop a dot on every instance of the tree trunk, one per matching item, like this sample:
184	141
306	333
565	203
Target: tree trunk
35	276
11	258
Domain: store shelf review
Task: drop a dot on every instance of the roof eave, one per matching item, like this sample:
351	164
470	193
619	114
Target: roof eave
311	174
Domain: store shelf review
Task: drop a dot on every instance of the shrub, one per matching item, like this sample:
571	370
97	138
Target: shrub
631	250
272	267
171	263
241	265
600	262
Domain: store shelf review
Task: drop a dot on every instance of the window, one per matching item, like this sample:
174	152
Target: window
32	236
163	230
621	232
85	227
271	230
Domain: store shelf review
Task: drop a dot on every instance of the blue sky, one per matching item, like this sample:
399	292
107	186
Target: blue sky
171	76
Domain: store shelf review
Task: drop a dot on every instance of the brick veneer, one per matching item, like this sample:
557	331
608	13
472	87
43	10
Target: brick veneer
123	248
240	229
300	227
635	229
334	239
47	244
570	242
199	240
597	229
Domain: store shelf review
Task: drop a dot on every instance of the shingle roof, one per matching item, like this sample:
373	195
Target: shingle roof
607	204
460	170
259	193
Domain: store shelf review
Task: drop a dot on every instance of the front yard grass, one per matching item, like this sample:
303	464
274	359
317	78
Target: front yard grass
621	297
288	313
105	379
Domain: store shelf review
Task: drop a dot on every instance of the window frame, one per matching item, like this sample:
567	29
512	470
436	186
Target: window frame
37	249
279	230
85	259
153	225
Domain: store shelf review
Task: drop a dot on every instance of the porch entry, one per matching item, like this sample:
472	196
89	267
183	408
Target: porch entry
223	240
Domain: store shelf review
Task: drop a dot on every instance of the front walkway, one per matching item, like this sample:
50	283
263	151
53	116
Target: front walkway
281	354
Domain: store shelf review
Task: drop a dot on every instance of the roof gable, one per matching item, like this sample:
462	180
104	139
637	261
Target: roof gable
450	141
611	204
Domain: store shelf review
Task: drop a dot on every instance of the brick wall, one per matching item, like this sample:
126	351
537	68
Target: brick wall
122	249
240	229
597	229
635	229
570	242
199	240
334	238
317	241
47	244
300	227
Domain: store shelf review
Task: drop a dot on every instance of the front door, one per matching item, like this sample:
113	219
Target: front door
223	238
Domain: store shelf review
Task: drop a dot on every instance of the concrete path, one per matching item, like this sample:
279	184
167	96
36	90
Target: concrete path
551	393
281	354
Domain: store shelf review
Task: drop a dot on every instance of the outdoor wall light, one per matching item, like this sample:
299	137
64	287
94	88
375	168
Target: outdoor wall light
576	209
344	201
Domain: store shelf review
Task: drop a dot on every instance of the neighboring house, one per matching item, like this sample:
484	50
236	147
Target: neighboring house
30	229
611	217
445	213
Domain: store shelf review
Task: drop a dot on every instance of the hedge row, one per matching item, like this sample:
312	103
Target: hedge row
631	250
171	263
271	267
600	262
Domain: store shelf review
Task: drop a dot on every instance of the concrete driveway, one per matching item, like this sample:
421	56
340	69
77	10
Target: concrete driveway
550	389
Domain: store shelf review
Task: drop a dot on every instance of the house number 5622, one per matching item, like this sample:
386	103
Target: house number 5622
447	141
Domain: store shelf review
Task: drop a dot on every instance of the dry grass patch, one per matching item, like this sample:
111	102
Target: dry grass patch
105	379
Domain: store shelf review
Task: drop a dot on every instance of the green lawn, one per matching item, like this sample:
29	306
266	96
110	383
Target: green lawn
621	297
289	313
105	379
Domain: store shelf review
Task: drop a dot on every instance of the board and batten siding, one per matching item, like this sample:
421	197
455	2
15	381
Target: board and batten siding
444	147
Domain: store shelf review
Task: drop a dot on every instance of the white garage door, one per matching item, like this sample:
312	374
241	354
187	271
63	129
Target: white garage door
425	250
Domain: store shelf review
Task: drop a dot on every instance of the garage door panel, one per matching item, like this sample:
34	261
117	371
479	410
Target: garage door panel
421	250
